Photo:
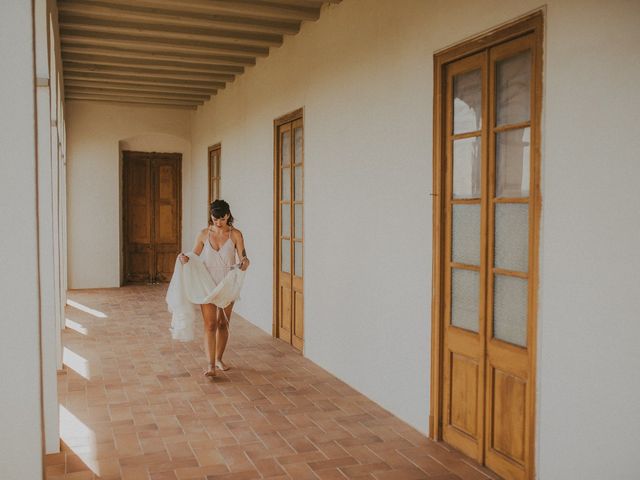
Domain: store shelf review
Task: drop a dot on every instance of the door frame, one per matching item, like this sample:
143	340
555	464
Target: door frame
530	23
123	204
289	117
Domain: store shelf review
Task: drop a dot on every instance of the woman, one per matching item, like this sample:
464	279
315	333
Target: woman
218	245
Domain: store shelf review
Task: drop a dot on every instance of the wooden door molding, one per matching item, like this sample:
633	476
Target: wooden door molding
530	25
161	210
294	119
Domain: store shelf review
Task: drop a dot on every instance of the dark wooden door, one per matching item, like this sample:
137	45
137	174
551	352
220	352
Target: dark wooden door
151	215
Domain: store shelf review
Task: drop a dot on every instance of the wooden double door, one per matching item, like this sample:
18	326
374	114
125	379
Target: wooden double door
151	215
288	223
489	173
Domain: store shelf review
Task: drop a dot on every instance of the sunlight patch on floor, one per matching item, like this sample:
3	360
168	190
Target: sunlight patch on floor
84	308
77	363
75	326
79	438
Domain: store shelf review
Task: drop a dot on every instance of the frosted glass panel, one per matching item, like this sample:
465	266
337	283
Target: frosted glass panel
297	256
285	256
297	139
286	184
285	215
510	302
467	102
466	168
464	299
466	234
512	163
512	236
297	212
513	89
286	148
297	186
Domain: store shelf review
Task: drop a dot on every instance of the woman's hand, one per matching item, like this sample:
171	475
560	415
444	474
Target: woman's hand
183	258
244	264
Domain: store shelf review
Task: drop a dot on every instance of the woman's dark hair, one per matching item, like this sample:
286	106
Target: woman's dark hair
219	208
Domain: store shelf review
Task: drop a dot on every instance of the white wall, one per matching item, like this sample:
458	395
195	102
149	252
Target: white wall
363	74
95	131
20	391
590	263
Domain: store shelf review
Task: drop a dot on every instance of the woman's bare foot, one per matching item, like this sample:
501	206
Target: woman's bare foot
210	371
221	365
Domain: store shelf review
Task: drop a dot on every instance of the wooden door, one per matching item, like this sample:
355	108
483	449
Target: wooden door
289	266
151	215
489	117
464	334
215	153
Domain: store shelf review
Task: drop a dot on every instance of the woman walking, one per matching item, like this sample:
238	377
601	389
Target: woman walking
218	245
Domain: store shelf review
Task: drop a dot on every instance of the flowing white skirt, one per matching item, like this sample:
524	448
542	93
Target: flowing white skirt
191	285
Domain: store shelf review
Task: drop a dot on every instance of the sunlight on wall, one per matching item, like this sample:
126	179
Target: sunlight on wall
79	438
75	326
78	364
84	308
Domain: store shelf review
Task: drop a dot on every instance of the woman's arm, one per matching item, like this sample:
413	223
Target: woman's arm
240	249
197	248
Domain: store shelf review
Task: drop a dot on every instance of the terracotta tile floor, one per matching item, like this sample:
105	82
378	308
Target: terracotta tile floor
135	405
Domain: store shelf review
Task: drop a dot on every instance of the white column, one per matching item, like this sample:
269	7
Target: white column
20	388
47	216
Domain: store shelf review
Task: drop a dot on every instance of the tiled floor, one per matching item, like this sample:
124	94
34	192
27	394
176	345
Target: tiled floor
135	405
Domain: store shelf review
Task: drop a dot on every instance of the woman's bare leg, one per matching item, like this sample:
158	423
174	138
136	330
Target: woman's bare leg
222	335
210	327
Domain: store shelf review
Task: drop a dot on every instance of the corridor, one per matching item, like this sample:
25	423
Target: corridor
135	405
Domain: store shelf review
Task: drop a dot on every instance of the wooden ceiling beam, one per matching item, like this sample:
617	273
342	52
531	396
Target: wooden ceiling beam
146	72
300	3
134	53
128	103
107	77
159	43
169	30
135	94
153	63
80	96
96	83
145	14
255	9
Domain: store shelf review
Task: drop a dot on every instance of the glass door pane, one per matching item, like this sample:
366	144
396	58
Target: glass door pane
465	243
297	259
513	89
466	168
285	143
511	245
285	220
285	255
465	293
467	102
285	185
510	305
512	163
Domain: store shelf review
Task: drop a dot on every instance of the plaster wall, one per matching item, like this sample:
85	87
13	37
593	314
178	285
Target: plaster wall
364	75
96	135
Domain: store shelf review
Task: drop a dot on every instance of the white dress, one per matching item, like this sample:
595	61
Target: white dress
205	278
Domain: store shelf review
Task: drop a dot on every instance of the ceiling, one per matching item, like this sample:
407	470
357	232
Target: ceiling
175	53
